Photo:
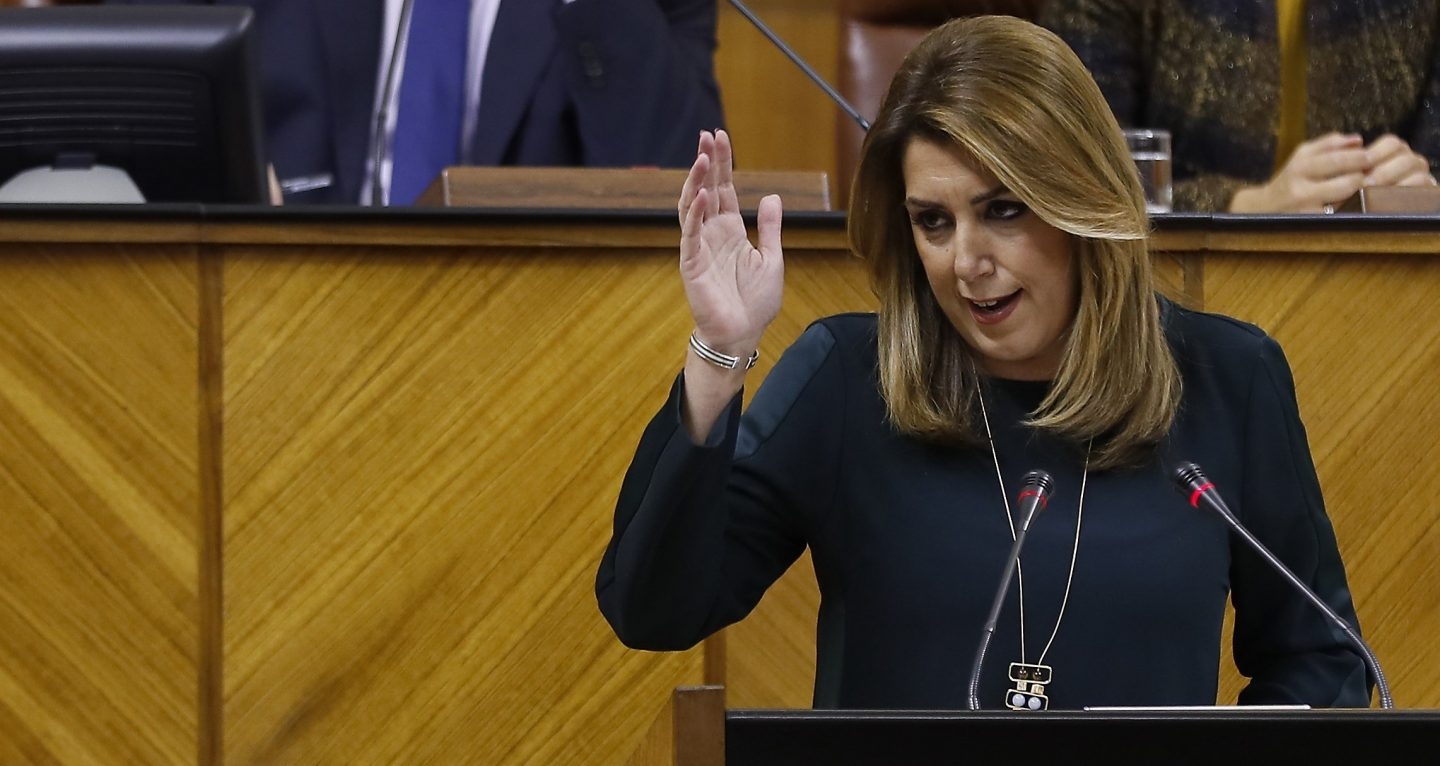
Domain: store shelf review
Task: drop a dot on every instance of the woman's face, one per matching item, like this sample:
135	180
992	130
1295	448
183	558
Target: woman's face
1004	277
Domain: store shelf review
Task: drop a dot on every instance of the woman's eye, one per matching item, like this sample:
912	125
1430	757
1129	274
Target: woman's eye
929	220
1005	209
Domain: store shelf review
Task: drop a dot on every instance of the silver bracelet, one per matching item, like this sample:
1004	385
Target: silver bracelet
718	359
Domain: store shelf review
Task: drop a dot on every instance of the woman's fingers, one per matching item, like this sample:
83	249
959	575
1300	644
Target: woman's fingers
1419	178
1328	143
1332	190
1322	170
767	224
1397	168
726	278
725	177
1386	147
692	226
1336	163
709	146
1326	156
1394	163
694	181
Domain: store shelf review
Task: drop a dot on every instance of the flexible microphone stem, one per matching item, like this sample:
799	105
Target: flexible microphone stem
380	149
990	621
795	59
1191	482
1034	494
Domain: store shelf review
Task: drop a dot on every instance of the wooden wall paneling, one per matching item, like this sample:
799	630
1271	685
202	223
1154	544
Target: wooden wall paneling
393	403
1362	334
657	746
421	447
210	405
778	118
99	527
424	448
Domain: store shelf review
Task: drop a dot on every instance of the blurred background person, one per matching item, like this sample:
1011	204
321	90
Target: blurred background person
1275	106
605	83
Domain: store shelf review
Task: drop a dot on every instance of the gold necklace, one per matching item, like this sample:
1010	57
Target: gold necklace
1032	679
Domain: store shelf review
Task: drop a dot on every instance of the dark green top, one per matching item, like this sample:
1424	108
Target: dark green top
909	539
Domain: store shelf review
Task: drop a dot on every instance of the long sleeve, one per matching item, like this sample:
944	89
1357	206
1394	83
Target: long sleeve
641	75
1286	646
702	530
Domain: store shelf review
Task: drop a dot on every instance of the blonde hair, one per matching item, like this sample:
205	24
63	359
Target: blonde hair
1015	98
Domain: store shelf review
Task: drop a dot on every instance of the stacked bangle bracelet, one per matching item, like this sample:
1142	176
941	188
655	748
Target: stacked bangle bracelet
718	359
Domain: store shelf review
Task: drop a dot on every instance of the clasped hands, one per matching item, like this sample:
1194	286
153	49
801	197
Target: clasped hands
1325	171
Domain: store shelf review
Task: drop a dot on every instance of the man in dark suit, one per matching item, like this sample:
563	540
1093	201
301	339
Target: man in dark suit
610	83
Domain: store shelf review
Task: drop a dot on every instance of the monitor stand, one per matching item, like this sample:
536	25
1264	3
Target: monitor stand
93	184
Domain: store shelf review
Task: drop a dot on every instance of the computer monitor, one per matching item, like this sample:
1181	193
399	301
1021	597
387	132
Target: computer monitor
130	104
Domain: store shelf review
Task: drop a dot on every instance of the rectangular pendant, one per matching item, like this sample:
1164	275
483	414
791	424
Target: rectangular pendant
1029	690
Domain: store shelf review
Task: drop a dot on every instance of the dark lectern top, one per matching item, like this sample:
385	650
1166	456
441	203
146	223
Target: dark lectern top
1177	737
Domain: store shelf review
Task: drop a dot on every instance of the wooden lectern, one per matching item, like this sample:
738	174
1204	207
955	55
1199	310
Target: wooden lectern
251	458
610	188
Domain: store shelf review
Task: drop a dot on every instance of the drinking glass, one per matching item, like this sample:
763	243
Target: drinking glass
1150	148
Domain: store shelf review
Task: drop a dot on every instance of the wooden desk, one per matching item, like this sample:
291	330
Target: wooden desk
331	486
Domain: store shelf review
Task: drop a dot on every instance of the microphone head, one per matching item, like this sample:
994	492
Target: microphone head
1036	483
1188	478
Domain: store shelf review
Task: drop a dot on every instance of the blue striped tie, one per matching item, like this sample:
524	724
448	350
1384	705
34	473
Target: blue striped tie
432	97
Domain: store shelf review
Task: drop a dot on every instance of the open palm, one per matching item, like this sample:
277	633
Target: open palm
733	287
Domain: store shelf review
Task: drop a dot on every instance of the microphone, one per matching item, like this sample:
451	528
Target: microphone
1192	483
380	149
1034	496
797	61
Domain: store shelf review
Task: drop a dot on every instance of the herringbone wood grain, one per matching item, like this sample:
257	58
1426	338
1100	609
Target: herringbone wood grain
99	636
415	432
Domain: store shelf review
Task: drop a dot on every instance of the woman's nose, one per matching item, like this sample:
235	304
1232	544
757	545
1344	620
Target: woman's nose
970	251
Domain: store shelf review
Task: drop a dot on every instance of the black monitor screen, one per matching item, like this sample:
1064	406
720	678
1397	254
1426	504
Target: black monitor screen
166	94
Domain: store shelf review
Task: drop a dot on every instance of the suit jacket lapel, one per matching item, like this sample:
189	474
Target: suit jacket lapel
521	47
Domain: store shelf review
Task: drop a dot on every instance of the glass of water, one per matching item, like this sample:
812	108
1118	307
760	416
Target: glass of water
1150	148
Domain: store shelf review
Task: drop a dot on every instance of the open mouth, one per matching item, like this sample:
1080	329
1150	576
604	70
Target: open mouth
994	307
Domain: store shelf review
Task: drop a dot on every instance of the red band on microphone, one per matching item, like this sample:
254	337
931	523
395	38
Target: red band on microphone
1044	501
1200	490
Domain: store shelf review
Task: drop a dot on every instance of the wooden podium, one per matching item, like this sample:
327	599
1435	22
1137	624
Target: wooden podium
610	188
329	486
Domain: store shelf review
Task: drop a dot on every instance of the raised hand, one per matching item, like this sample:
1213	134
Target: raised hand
733	287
